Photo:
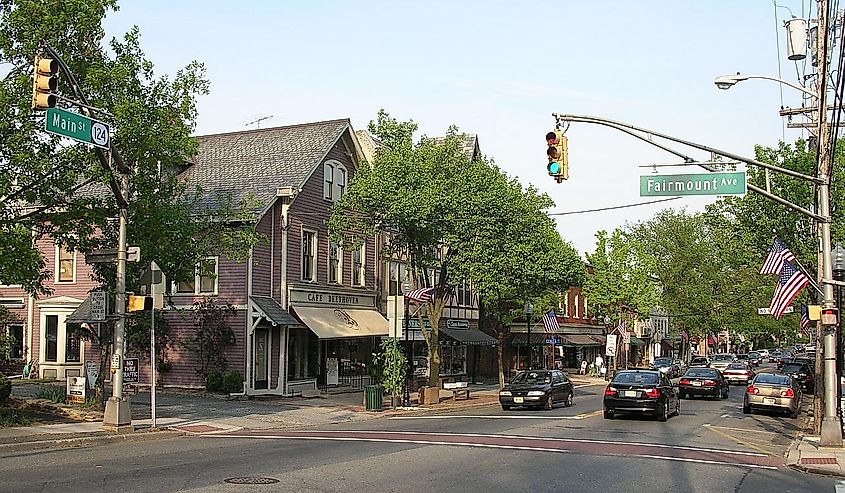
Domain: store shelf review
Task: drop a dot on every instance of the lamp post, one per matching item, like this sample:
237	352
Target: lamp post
529	309
409	350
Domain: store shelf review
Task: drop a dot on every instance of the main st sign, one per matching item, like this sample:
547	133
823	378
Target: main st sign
693	184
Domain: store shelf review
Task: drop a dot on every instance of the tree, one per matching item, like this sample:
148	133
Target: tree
213	335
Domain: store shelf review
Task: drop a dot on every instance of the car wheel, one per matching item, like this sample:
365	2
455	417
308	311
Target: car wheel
568	401
550	403
505	408
682	395
794	414
608	414
746	408
725	393
664	412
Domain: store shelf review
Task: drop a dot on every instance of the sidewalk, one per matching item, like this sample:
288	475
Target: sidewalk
806	455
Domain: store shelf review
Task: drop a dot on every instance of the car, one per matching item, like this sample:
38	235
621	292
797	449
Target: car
642	392
803	373
738	373
720	361
666	365
773	391
700	362
764	354
537	388
755	358
703	381
742	358
785	357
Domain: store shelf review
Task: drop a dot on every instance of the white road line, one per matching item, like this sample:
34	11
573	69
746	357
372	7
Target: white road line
587	385
840	486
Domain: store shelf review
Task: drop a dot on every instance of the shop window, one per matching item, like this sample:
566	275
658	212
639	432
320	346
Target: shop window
309	260
51	334
358	259
335	263
65	264
15	335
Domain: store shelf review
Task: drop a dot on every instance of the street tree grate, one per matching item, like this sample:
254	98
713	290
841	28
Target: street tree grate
818	460
251	480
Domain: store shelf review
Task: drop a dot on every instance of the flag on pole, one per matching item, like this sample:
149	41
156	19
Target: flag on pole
778	254
550	322
805	320
790	283
422	295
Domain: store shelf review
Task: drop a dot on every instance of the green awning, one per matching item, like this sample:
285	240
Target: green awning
636	341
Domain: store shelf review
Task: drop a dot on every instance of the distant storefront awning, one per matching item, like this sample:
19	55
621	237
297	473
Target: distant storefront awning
338	323
273	311
636	341
537	338
581	340
469	336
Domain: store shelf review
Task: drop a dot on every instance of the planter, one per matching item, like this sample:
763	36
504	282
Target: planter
429	395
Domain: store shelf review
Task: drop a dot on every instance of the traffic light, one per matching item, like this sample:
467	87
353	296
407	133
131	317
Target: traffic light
140	303
44	82
558	154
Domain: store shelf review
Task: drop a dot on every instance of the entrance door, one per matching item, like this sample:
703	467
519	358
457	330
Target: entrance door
262	343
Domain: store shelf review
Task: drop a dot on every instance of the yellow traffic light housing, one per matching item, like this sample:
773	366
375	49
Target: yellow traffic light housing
44	82
139	303
558	154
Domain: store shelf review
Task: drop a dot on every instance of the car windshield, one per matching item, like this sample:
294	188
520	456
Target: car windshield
792	368
533	377
753	355
637	377
772	379
723	357
698	361
701	372
736	366
662	362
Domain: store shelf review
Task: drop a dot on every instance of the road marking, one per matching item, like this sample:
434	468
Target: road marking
581	386
840	486
737	440
708	425
579	416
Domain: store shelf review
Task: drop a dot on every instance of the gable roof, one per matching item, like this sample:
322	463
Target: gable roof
259	162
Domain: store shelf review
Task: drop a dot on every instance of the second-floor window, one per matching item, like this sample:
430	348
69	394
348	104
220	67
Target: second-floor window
309	260
204	281
335	263
65	264
358	259
334	180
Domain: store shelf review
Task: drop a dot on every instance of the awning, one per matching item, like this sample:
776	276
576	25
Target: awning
336	323
521	339
273	311
667	343
636	341
469	336
580	340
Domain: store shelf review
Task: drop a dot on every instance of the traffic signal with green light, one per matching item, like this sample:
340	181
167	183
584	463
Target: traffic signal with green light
558	154
44	82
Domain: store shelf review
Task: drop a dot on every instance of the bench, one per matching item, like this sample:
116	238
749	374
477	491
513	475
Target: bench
457	388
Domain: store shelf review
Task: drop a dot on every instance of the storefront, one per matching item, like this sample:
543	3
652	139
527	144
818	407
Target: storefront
458	341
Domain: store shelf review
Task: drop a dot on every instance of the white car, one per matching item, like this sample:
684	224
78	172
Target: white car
765	355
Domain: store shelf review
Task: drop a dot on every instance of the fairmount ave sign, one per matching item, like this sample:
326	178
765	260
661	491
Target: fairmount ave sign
692	184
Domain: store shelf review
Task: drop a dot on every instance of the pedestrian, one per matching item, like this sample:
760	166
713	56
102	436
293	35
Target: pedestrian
600	364
583	369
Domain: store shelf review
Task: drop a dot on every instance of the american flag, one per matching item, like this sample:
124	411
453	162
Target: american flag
778	254
790	283
422	295
550	322
805	320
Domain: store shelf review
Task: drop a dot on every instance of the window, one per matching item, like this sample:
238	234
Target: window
204	281
51	332
335	263
398	273
358	258
341	182
15	334
72	347
309	246
576	307
65	264
328	177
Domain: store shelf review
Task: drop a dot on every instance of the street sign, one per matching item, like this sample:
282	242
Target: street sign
77	127
765	310
610	346
109	255
131	373
692	184
98	306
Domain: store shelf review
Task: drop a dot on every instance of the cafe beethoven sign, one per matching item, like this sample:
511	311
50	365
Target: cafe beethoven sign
327	298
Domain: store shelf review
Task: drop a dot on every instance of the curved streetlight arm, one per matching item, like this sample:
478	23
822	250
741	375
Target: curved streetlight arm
780	81
631	130
737	157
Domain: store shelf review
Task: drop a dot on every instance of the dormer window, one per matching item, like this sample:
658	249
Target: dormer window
334	180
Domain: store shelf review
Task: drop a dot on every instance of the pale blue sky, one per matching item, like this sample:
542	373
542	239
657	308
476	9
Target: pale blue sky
497	69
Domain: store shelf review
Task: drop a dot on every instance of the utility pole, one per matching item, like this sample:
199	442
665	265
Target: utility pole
831	428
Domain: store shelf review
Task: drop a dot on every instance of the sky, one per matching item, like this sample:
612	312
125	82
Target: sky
497	69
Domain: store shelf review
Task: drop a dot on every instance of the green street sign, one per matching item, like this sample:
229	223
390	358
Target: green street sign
692	184
77	127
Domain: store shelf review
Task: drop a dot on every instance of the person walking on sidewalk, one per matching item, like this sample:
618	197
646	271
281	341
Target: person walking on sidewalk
600	365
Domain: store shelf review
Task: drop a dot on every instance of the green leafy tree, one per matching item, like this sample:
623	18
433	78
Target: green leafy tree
394	368
212	337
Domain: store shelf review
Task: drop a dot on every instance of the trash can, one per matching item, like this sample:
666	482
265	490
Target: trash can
373	397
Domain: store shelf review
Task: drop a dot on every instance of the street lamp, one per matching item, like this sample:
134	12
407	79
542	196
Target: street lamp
409	348
529	309
727	81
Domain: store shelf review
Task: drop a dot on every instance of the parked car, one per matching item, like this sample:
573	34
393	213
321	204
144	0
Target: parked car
641	391
738	373
802	372
773	391
537	388
667	366
785	357
721	361
703	381
700	362
755	358
764	354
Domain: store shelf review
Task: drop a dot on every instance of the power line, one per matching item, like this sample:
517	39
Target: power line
612	207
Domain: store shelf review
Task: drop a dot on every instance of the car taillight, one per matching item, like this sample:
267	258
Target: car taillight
752	390
684	381
611	391
653	393
787	393
709	383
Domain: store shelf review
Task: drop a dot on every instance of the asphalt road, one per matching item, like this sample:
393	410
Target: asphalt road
710	447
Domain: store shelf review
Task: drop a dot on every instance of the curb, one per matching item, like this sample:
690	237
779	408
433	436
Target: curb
27	446
820	472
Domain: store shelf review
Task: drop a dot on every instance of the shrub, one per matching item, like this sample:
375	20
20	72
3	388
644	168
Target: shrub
14	417
5	388
233	382
54	394
214	381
